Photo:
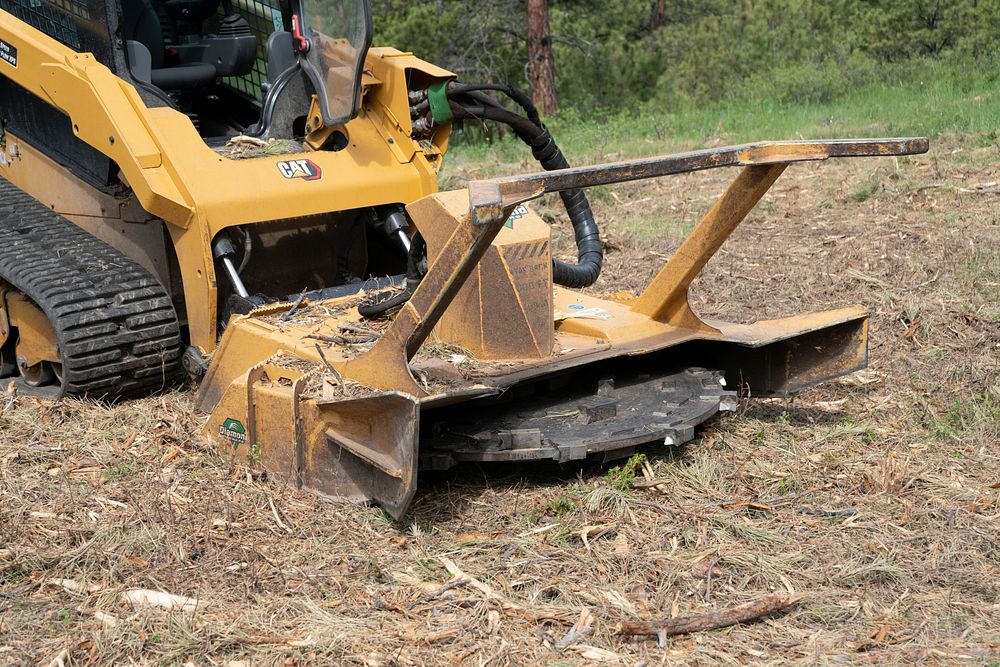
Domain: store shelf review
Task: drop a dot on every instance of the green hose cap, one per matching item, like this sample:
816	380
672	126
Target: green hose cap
437	95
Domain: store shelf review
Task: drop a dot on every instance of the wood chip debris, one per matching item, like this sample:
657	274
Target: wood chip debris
142	597
277	516
73	586
588	533
484	589
620	602
581	629
60	659
108	620
598	655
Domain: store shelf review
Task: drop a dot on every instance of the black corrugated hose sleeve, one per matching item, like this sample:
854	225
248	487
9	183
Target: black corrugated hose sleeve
590	251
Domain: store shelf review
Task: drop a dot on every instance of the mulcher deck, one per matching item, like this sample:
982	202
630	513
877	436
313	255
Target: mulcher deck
115	325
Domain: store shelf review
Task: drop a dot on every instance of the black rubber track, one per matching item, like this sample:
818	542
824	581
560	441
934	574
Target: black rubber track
115	324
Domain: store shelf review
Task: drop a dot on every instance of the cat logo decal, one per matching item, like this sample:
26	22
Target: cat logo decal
307	170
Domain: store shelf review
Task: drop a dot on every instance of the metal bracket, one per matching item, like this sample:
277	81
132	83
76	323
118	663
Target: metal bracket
386	365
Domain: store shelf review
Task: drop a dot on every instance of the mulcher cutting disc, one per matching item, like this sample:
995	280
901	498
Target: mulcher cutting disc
611	418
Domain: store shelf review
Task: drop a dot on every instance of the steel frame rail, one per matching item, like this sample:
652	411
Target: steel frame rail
491	202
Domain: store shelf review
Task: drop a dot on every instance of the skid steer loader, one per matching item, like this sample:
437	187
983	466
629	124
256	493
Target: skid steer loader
248	190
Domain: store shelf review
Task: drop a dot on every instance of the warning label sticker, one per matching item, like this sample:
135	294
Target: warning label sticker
581	312
8	53
518	213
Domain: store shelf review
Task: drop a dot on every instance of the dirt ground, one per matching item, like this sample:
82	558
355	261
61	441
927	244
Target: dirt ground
871	501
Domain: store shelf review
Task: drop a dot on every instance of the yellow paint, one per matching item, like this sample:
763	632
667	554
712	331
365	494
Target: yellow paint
175	176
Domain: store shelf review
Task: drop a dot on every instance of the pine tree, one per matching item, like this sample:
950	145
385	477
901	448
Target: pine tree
541	59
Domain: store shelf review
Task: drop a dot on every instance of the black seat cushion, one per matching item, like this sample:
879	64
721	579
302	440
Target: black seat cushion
184	77
142	24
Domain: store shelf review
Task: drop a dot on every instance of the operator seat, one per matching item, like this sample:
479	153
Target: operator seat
142	28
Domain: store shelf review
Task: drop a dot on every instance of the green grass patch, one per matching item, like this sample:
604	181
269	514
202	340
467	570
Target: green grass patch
965	418
924	98
14	574
622	477
557	507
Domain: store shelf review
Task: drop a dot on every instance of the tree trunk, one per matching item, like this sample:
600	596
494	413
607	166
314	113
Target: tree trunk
657	14
541	61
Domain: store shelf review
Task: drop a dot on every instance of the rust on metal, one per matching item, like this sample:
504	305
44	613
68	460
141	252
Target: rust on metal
37	338
504	310
385	366
485	197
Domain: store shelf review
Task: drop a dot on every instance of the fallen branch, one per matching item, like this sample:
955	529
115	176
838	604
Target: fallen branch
359	329
752	611
277	517
295	306
329	366
459	573
343	340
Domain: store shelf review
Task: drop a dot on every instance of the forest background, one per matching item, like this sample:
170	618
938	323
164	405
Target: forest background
742	68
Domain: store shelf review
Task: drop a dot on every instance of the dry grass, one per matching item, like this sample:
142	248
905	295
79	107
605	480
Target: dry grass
875	498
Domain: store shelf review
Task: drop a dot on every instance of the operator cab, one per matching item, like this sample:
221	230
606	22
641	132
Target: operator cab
248	67
232	66
170	48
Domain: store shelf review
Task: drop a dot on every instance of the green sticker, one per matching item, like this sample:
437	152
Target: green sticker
517	214
233	429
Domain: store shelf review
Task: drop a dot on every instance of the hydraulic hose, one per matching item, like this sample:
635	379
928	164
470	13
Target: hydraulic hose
247	250
380	306
590	251
270	100
475	91
513	93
